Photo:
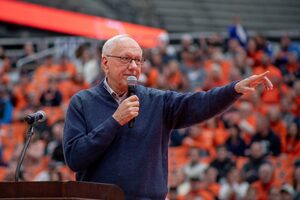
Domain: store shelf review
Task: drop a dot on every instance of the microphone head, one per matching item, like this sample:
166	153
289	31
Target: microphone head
41	115
131	80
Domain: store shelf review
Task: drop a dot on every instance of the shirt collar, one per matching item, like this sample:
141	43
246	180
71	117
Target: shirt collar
114	95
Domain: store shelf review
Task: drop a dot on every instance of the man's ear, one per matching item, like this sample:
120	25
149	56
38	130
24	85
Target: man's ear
104	64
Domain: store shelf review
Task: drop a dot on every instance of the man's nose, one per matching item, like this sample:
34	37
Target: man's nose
132	64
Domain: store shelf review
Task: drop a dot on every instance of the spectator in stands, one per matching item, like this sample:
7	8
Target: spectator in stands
31	104
2	162
296	98
51	173
291	70
251	194
44	72
6	107
198	190
100	147
277	124
199	138
286	105
196	74
254	54
5	66
265	182
214	77
173	194
28	49
21	90
286	46
275	76
177	136
242	64
194	168
287	192
222	163
263	44
187	61
246	118
274	193
235	143
88	65
233	187
66	70
178	179
264	134
156	61
173	78
186	45
293	139
166	51
296	182
51	96
256	159
54	148
237	31
69	87
210	182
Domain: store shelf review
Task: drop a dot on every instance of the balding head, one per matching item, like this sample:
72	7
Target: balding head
112	43
122	56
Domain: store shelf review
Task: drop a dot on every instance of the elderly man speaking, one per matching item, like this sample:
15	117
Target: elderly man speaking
99	145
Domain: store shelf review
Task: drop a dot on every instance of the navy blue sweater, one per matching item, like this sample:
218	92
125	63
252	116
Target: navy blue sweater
136	159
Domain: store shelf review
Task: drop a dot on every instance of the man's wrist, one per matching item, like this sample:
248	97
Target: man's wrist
117	119
237	88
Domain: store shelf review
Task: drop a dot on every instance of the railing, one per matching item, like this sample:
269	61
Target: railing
67	45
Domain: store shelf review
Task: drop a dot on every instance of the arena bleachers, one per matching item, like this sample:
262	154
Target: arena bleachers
205	160
215	15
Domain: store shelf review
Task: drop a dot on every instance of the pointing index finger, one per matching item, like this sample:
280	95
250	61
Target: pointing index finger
263	74
258	76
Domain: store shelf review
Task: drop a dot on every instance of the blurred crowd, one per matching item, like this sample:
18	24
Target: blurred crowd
252	151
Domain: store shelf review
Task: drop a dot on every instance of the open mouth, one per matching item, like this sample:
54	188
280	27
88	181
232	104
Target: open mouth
126	75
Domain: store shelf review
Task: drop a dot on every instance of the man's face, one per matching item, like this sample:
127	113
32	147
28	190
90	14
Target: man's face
118	71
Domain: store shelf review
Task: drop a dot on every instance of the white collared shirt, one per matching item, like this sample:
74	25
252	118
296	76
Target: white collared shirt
115	96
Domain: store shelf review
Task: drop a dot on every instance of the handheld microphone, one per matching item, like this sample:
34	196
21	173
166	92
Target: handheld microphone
39	116
132	81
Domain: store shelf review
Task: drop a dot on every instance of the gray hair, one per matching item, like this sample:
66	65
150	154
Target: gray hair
111	43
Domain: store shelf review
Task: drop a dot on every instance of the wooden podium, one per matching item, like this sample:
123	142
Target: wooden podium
59	190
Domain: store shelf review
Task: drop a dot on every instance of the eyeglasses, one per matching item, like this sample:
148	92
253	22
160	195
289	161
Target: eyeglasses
128	60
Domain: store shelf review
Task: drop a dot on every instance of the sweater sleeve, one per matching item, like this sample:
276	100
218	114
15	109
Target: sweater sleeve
82	148
183	110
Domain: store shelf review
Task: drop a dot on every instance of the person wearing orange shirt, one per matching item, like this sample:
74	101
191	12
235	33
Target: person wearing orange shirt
43	73
277	124
66	70
292	145
296	98
275	76
200	138
266	181
210	182
173	77
254	54
198	191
